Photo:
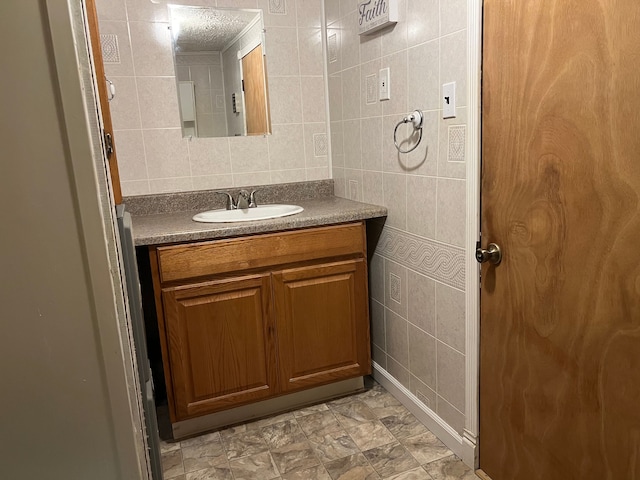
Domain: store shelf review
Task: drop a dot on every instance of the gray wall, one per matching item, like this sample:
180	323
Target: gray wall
418	270
57	420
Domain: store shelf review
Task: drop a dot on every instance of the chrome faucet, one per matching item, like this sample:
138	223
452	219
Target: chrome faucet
246	199
231	205
243	200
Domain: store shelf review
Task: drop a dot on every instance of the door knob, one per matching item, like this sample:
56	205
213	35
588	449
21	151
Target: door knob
493	254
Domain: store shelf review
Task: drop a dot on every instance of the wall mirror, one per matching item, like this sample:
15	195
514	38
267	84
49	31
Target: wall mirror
220	66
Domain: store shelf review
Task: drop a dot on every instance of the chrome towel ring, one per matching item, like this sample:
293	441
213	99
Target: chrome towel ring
416	119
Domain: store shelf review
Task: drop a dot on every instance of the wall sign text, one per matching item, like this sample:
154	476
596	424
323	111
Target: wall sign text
376	14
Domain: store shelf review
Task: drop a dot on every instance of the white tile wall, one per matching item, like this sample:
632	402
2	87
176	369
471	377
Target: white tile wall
419	339
152	153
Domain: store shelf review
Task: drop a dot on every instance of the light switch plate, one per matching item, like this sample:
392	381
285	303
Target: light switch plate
449	100
384	80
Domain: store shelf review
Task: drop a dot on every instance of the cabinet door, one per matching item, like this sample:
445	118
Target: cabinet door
322	318
221	344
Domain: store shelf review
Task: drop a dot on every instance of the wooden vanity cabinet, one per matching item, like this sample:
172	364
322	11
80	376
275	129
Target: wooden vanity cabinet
221	343
321	321
250	318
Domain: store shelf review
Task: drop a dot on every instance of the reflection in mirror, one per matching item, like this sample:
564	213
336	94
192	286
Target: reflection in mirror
220	67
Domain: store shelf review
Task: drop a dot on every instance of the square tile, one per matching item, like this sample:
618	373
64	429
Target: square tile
211	473
317	472
320	423
395	199
450	414
377	324
424	82
399	371
282	434
422	356
403	425
352	468
383	404
450	468
390	459
353	413
396	288
124	66
426	448
451	213
244	444
370	435
455	46
416	474
421	206
451	368
124	107
422	302
310	47
172	464
254	467
397	337
295	456
450	316
203	455
423	392
333	446
392	447
151	49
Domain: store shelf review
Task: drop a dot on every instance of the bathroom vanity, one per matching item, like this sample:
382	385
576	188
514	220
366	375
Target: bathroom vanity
247	313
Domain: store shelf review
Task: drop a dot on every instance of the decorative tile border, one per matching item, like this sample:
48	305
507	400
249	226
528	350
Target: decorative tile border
457	137
320	145
444	263
110	50
278	7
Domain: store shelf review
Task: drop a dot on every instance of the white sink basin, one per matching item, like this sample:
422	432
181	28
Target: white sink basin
261	212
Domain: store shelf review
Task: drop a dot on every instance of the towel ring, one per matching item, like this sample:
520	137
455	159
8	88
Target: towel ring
416	118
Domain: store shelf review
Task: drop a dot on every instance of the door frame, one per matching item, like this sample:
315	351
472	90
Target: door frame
67	28
472	269
465	445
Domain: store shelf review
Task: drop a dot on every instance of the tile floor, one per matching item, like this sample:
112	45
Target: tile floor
365	436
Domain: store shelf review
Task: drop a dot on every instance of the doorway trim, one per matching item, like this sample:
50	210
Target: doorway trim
67	31
472	270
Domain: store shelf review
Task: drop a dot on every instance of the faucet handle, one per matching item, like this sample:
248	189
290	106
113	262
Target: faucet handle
231	205
252	199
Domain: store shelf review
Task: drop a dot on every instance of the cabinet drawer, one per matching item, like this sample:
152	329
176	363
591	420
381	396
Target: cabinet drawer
180	262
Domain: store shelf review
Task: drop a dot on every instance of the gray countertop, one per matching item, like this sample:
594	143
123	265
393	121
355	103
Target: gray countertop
163	228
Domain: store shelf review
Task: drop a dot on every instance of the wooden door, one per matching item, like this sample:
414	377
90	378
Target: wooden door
221	344
560	320
96	52
255	92
323	323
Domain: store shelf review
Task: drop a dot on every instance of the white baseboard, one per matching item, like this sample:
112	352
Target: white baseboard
460	445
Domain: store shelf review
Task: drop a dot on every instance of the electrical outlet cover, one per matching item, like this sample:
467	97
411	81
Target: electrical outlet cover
449	100
384	79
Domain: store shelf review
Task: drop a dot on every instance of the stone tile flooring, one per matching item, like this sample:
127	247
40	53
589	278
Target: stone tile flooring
366	436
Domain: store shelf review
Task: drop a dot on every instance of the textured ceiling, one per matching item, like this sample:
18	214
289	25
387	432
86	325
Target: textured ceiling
197	29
